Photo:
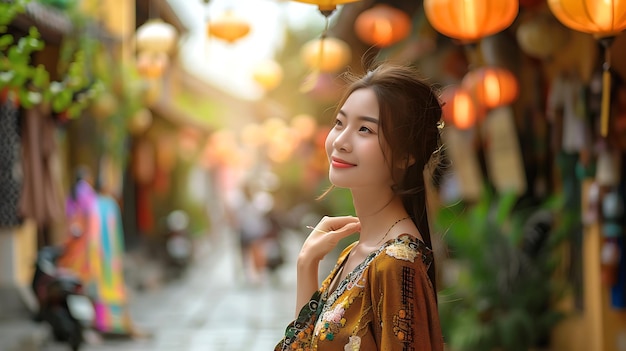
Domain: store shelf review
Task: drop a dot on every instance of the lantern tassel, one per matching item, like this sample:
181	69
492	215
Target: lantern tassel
606	101
606	90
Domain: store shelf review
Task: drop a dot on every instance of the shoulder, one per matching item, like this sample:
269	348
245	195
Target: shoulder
402	264
407	248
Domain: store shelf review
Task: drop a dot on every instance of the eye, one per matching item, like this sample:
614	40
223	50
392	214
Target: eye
337	123
365	129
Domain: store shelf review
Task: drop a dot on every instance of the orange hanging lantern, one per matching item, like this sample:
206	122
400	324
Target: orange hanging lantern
382	25
151	64
492	86
459	108
268	74
603	19
326	7
470	20
228	27
326	54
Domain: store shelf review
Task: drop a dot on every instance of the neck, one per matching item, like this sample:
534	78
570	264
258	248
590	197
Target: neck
376	215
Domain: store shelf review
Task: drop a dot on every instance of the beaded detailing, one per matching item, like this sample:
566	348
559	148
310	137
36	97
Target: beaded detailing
388	230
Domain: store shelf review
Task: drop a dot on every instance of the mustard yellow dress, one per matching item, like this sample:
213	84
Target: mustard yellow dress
386	303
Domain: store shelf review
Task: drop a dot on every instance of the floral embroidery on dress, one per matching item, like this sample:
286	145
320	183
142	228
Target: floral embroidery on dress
401	252
354	344
332	320
408	248
330	323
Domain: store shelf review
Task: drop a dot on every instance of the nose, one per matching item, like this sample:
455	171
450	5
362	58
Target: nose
342	141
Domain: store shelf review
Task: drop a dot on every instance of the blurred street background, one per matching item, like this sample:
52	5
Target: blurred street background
210	308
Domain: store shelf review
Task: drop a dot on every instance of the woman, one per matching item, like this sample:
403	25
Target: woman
381	294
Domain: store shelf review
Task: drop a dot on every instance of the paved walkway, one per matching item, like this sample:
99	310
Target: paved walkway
210	309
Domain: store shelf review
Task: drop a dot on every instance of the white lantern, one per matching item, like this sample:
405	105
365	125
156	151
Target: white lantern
155	36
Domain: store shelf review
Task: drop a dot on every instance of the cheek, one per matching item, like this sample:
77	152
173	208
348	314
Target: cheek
328	144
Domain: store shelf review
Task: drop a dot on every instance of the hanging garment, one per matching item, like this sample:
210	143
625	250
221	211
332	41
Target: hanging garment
41	197
10	168
112	315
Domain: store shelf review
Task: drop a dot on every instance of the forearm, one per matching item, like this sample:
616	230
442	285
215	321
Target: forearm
307	281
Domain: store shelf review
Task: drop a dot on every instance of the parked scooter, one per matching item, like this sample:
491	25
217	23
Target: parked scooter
62	301
178	246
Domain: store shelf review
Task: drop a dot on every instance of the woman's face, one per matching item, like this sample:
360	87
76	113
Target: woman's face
353	148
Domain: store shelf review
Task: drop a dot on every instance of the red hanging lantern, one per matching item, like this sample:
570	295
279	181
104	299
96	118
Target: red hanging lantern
459	108
228	27
603	19
382	25
470	20
492	86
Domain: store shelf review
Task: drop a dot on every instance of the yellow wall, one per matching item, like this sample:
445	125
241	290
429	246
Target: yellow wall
25	247
18	250
599	326
118	17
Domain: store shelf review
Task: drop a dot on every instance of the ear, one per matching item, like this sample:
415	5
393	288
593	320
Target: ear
406	162
410	161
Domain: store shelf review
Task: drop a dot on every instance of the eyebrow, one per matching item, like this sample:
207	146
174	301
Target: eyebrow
362	118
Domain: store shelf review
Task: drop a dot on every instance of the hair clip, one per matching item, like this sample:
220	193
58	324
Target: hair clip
441	124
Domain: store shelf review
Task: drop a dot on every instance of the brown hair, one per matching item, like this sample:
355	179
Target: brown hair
410	117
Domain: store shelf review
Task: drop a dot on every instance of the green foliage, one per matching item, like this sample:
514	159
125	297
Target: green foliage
60	4
8	10
507	257
31	85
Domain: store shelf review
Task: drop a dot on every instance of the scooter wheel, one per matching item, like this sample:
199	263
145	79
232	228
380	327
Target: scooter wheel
76	336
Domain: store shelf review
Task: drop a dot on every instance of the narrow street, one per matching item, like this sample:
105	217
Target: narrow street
211	309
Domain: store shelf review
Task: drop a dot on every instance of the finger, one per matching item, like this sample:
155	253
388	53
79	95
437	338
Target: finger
336	223
346	230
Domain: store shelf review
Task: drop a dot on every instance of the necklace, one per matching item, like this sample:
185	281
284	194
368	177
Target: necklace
388	230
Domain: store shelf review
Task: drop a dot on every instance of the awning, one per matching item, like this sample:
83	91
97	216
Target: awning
52	23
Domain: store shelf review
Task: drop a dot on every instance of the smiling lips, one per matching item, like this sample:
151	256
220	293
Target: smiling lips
339	163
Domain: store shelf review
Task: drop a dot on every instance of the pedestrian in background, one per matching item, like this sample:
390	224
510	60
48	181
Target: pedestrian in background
94	251
83	223
381	293
252	222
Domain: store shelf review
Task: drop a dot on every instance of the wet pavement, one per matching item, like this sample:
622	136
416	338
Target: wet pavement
212	308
